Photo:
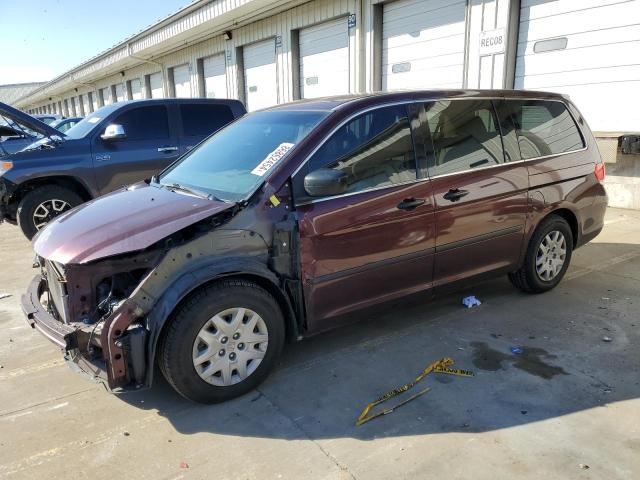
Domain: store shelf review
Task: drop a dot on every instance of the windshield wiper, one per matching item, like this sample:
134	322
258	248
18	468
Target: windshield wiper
182	188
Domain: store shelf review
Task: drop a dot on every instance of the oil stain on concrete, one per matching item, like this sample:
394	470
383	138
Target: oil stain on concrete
530	360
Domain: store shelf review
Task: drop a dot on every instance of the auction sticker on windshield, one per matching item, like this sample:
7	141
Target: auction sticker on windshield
271	159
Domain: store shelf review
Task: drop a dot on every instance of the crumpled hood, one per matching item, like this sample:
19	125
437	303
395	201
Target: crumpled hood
120	222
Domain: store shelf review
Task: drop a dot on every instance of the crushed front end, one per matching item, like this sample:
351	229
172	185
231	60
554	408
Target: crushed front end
84	310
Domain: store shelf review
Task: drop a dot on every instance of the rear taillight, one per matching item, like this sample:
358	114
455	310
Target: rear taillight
600	172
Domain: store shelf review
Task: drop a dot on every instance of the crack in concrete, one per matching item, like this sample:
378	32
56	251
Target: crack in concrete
326	453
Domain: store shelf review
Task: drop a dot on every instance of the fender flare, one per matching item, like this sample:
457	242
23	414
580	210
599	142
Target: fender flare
190	281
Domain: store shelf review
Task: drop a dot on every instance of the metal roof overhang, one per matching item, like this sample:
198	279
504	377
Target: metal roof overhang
190	25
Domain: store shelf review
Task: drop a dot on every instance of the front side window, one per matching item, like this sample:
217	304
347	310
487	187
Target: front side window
374	150
543	128
202	119
464	135
145	123
237	159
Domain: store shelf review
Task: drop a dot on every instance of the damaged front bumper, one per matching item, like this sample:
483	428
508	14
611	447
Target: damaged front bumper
76	342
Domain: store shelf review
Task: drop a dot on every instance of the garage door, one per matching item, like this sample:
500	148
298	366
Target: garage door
182	81
136	89
260	76
155	83
214	71
106	96
119	92
86	101
587	49
324	59
423	44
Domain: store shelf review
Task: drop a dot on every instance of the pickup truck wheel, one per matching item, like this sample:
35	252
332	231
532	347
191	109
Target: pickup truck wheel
40	206
548	256
222	342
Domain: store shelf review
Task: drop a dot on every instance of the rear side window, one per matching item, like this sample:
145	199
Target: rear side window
374	150
203	120
145	123
543	128
464	136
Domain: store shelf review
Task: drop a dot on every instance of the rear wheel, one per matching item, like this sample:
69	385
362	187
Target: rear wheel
548	256
40	206
222	342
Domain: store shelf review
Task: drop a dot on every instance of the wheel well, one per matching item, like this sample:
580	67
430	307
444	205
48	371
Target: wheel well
65	182
265	283
571	219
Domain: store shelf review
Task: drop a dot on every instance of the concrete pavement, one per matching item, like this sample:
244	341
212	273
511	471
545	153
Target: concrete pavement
567	407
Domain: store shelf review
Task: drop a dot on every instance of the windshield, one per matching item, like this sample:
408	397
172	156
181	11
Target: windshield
233	162
84	126
9	122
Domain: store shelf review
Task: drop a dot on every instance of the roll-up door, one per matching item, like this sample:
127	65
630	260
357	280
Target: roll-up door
119	92
588	50
136	89
214	71
182	81
260	75
324	59
155	82
423	44
106	96
86	100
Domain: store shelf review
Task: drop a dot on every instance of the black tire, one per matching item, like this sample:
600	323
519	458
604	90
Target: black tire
526	278
175	353
32	200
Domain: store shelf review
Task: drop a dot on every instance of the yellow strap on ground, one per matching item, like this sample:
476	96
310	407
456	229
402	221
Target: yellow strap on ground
439	366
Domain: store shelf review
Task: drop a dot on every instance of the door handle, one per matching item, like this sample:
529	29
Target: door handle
455	194
410	203
167	149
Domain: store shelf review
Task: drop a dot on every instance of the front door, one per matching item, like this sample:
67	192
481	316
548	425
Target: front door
149	146
375	242
480	193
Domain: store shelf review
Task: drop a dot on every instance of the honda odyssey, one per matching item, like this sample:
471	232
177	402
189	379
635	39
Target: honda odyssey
290	218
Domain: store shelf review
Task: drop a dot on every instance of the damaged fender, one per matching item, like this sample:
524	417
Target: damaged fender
183	270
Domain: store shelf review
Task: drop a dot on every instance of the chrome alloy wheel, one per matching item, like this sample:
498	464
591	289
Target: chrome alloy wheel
551	255
47	211
230	346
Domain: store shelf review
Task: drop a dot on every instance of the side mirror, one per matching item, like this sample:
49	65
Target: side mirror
325	182
113	132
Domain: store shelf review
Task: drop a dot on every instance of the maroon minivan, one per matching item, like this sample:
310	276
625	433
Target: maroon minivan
288	219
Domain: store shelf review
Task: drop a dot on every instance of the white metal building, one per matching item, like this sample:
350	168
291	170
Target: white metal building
266	52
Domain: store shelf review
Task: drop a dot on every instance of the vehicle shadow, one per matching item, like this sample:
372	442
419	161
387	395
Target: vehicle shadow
577	345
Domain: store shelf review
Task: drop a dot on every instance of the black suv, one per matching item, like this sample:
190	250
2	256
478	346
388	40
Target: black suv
116	145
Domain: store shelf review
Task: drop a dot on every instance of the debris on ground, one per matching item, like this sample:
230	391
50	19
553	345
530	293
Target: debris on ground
471	301
4	295
184	465
584	466
439	366
607	339
516	350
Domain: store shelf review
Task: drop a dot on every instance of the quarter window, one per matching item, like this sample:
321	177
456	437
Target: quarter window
145	123
374	150
544	128
464	135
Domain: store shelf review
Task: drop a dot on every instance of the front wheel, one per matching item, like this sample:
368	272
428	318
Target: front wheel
547	258
222	342
40	206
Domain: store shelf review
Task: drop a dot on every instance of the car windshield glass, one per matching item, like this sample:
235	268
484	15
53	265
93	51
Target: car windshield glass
17	126
232	163
84	126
